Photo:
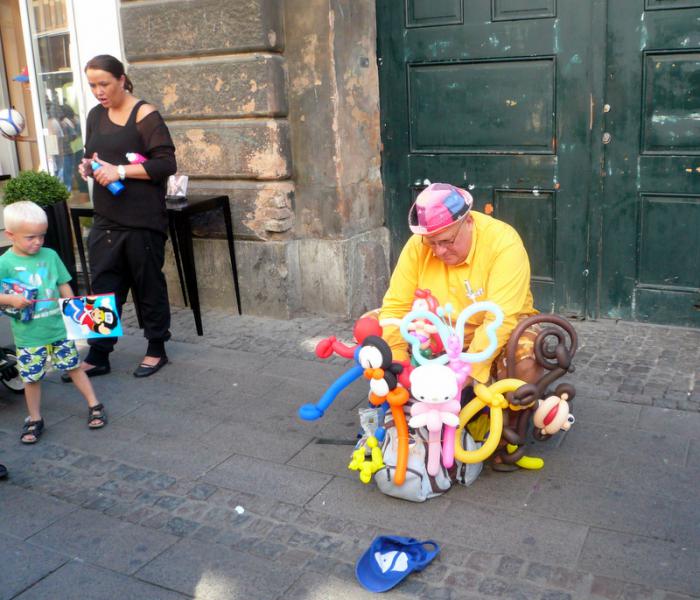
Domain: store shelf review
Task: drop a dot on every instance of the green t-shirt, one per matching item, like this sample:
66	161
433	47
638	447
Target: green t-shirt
45	271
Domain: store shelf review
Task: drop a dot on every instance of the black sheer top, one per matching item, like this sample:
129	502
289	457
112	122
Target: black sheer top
142	203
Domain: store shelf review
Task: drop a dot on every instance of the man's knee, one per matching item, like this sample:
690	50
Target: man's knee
528	370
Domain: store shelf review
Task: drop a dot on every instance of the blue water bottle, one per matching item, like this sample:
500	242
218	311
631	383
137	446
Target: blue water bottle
116	187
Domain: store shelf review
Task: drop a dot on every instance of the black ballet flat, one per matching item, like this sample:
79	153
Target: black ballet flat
144	370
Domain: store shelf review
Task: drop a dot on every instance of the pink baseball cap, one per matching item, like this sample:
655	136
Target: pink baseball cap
438	206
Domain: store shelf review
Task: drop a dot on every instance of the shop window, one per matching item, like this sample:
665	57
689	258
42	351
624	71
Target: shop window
58	91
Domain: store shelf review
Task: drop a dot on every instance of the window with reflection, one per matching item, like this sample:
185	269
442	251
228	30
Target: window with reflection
58	92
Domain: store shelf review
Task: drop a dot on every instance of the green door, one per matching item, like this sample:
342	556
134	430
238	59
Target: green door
650	268
494	95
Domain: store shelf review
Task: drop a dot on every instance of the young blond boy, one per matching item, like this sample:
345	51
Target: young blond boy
44	336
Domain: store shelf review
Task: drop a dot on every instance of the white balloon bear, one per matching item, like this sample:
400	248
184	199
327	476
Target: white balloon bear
436	391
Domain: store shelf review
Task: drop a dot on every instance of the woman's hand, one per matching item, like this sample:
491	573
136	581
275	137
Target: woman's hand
106	174
85	168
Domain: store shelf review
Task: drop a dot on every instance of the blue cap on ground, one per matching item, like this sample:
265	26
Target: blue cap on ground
390	559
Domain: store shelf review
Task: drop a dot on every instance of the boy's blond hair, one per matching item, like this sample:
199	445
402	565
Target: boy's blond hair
19	213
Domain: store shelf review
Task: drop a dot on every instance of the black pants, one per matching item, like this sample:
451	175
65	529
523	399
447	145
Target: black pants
120	260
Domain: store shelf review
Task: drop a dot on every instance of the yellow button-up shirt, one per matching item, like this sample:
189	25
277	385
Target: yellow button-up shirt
497	269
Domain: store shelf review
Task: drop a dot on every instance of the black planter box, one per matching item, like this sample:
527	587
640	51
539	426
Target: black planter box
60	238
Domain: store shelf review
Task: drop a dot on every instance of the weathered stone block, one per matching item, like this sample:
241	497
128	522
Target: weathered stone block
219	87
260	210
344	277
233	149
369	275
187	27
267	275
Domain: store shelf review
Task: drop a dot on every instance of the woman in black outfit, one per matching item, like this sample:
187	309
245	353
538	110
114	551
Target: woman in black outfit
127	240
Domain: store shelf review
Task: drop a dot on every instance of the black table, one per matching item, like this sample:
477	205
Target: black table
181	239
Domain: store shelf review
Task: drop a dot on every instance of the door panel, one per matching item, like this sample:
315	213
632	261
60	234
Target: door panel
494	95
517	118
651	213
508	10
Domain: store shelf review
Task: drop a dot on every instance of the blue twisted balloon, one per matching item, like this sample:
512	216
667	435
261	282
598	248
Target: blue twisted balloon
311	412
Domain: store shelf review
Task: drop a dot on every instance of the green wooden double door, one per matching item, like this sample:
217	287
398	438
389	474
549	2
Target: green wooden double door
576	121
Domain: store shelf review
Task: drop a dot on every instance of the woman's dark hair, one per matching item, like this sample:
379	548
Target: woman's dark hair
106	62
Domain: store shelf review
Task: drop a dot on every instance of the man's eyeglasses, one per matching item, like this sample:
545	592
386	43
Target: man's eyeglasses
444	244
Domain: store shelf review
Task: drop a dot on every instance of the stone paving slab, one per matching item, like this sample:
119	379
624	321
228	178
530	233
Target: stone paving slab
626	443
617	509
662	420
645	560
79	580
332	459
103	540
164	453
25	513
23	564
214	572
676	483
315	586
544	539
261	477
111	440
244	440
694	452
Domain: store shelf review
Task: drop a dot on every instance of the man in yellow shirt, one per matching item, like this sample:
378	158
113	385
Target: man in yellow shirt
463	256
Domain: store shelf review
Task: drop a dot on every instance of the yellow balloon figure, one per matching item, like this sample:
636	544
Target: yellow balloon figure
367	467
492	396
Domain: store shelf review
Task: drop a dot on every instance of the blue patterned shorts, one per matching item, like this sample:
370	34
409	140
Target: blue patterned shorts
31	360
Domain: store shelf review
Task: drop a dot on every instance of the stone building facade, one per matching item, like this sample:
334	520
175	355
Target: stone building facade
276	104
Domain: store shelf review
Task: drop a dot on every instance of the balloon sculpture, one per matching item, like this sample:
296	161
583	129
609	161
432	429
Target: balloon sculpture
552	414
324	349
436	391
433	381
375	356
493	397
367	467
425	331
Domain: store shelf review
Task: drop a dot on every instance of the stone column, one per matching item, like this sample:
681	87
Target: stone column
241	98
334	123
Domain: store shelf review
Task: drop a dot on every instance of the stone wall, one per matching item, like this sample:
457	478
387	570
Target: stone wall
274	103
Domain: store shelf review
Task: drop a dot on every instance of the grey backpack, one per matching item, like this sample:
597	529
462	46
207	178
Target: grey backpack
419	485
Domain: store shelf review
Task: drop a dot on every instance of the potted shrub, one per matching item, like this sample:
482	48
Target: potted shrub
48	192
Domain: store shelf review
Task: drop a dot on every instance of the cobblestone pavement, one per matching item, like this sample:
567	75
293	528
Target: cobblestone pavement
206	485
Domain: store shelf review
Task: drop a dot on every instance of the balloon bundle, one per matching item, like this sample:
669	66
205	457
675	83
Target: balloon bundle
431	384
436	383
